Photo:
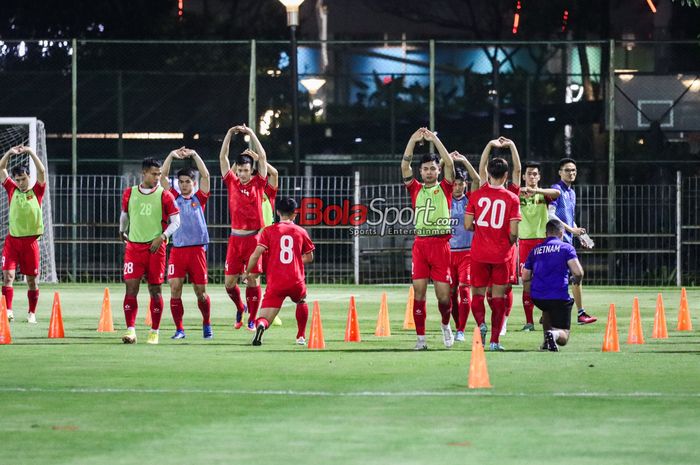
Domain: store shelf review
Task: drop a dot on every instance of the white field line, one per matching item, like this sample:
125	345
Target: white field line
291	393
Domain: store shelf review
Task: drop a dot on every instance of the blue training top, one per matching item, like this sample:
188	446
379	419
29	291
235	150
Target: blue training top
548	263
565	207
461	238
193	226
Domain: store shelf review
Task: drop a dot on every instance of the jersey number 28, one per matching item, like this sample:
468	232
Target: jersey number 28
498	213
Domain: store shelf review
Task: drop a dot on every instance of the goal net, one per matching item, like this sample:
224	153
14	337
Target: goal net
29	132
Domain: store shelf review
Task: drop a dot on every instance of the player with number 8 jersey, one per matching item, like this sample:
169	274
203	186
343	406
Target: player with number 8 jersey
288	247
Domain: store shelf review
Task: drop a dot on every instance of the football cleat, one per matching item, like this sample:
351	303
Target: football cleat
257	340
10	316
129	336
549	343
238	325
207	333
447	336
301	340
31	318
152	337
251	326
496	347
421	345
459	337
179	334
528	327
586	319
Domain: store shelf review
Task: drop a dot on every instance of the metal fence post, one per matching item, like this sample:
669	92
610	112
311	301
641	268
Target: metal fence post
356	239
252	90
612	197
432	89
74	159
679	229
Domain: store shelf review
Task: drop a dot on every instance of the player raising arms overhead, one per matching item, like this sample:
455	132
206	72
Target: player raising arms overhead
431	201
245	194
26	226
288	247
146	209
188	256
493	213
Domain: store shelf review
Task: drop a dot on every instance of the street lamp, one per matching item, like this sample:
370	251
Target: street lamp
312	85
292	7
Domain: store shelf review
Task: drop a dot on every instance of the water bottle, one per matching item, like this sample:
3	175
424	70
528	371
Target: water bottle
586	240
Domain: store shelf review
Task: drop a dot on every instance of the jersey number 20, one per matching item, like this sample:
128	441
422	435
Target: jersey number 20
498	213
286	251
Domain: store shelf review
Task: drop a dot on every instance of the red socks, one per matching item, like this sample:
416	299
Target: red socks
178	311
529	306
131	308
156	309
454	301
445	312
498	311
9	293
235	294
509	301
302	317
419	316
252	298
463	307
262	321
478	309
205	308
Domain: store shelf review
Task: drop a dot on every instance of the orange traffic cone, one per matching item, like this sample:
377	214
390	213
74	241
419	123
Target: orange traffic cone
684	323
659	331
478	373
611	343
106	324
149	322
383	328
352	328
635	335
316	340
408	322
5	334
56	324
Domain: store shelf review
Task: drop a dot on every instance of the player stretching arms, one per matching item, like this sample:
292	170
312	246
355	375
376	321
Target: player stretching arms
493	213
531	232
146	209
512	185
26	226
461	244
245	193
288	247
188	256
564	209
431	249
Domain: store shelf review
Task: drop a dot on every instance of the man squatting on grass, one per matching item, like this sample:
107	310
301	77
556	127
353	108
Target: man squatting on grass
546	278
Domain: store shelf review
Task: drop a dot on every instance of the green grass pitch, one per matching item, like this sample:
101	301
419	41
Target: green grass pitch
89	399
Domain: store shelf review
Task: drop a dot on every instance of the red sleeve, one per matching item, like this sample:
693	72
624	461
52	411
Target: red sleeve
203	197
264	239
9	186
230	178
514	188
413	188
307	246
169	205
173	192
125	199
447	187
515	208
471	203
39	190
271	192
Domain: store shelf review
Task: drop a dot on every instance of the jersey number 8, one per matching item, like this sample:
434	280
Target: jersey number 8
286	252
498	213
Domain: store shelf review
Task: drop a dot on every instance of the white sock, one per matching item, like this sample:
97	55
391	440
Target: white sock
421	338
555	334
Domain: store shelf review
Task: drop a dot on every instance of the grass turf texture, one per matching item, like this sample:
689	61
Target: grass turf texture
89	399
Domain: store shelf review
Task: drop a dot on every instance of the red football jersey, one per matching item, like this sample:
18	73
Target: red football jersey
285	243
38	188
167	200
245	201
493	208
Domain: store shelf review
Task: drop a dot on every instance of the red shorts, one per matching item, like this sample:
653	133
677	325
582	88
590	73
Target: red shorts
274	298
486	274
239	250
431	259
525	246
139	261
460	266
22	251
188	261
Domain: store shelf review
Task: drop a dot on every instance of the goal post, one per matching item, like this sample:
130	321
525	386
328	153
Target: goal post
30	132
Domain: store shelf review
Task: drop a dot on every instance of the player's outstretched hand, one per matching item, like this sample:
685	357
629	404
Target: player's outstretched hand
241	129
417	136
429	135
496	143
251	154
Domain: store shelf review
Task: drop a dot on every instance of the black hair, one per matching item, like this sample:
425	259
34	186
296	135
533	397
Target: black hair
19	170
533	165
430	157
564	161
245	160
460	174
150	162
554	227
285	206
497	167
189	172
